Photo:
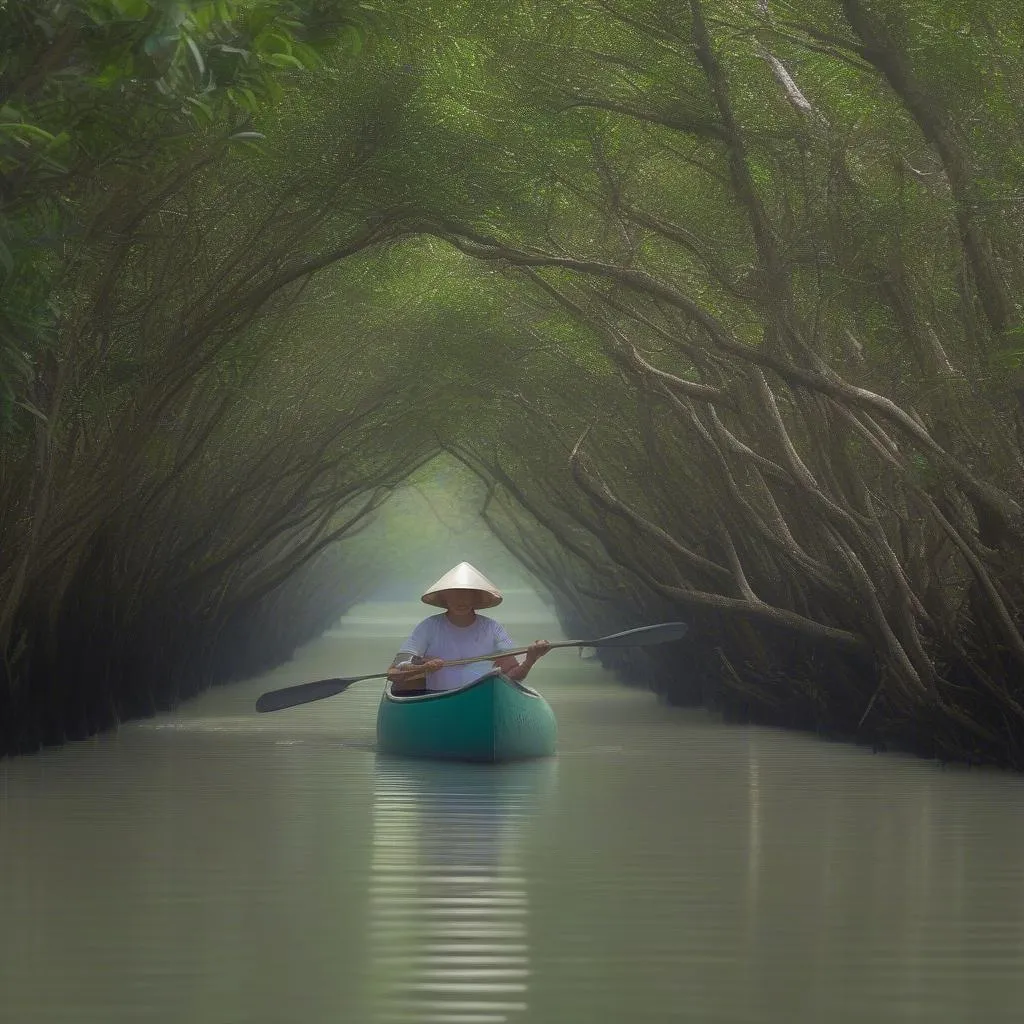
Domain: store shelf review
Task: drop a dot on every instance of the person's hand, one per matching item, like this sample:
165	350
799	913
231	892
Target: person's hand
402	673
537	650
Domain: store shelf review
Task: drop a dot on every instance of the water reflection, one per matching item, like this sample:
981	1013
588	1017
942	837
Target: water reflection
449	913
216	866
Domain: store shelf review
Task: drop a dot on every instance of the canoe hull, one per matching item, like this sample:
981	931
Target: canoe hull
491	719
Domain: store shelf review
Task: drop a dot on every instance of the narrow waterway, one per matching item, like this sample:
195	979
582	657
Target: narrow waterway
214	866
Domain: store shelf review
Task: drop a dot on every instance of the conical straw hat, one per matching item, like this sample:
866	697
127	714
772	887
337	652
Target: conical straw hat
464	577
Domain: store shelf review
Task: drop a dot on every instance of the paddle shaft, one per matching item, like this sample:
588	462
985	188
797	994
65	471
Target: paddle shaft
304	693
643	636
496	655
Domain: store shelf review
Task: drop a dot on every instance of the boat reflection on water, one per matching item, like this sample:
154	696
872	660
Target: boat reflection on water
448	901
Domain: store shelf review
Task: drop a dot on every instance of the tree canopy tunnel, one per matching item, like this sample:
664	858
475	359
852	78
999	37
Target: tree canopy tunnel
719	302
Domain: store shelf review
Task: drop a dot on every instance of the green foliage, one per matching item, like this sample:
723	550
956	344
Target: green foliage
261	258
94	87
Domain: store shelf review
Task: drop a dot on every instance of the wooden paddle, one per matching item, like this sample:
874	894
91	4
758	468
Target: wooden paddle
304	693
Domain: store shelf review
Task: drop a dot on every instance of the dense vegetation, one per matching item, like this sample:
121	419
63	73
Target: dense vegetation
721	302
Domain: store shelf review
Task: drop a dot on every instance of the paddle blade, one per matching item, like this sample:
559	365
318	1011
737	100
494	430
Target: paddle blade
644	636
290	696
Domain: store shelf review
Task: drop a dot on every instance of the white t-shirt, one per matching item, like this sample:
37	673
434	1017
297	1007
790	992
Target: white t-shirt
436	637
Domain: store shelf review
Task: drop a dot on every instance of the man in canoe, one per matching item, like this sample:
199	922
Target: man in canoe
458	632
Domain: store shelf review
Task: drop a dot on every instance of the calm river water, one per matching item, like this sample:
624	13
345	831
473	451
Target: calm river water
214	866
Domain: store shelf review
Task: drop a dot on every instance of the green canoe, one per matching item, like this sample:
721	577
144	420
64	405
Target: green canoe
492	719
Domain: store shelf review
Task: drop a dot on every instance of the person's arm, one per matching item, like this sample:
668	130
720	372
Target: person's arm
514	669
405	670
411	665
408	669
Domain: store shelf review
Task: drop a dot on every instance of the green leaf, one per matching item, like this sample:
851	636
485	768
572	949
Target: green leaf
30	130
273	42
132	10
202	107
244	98
196	55
29	407
306	55
283	60
114	72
